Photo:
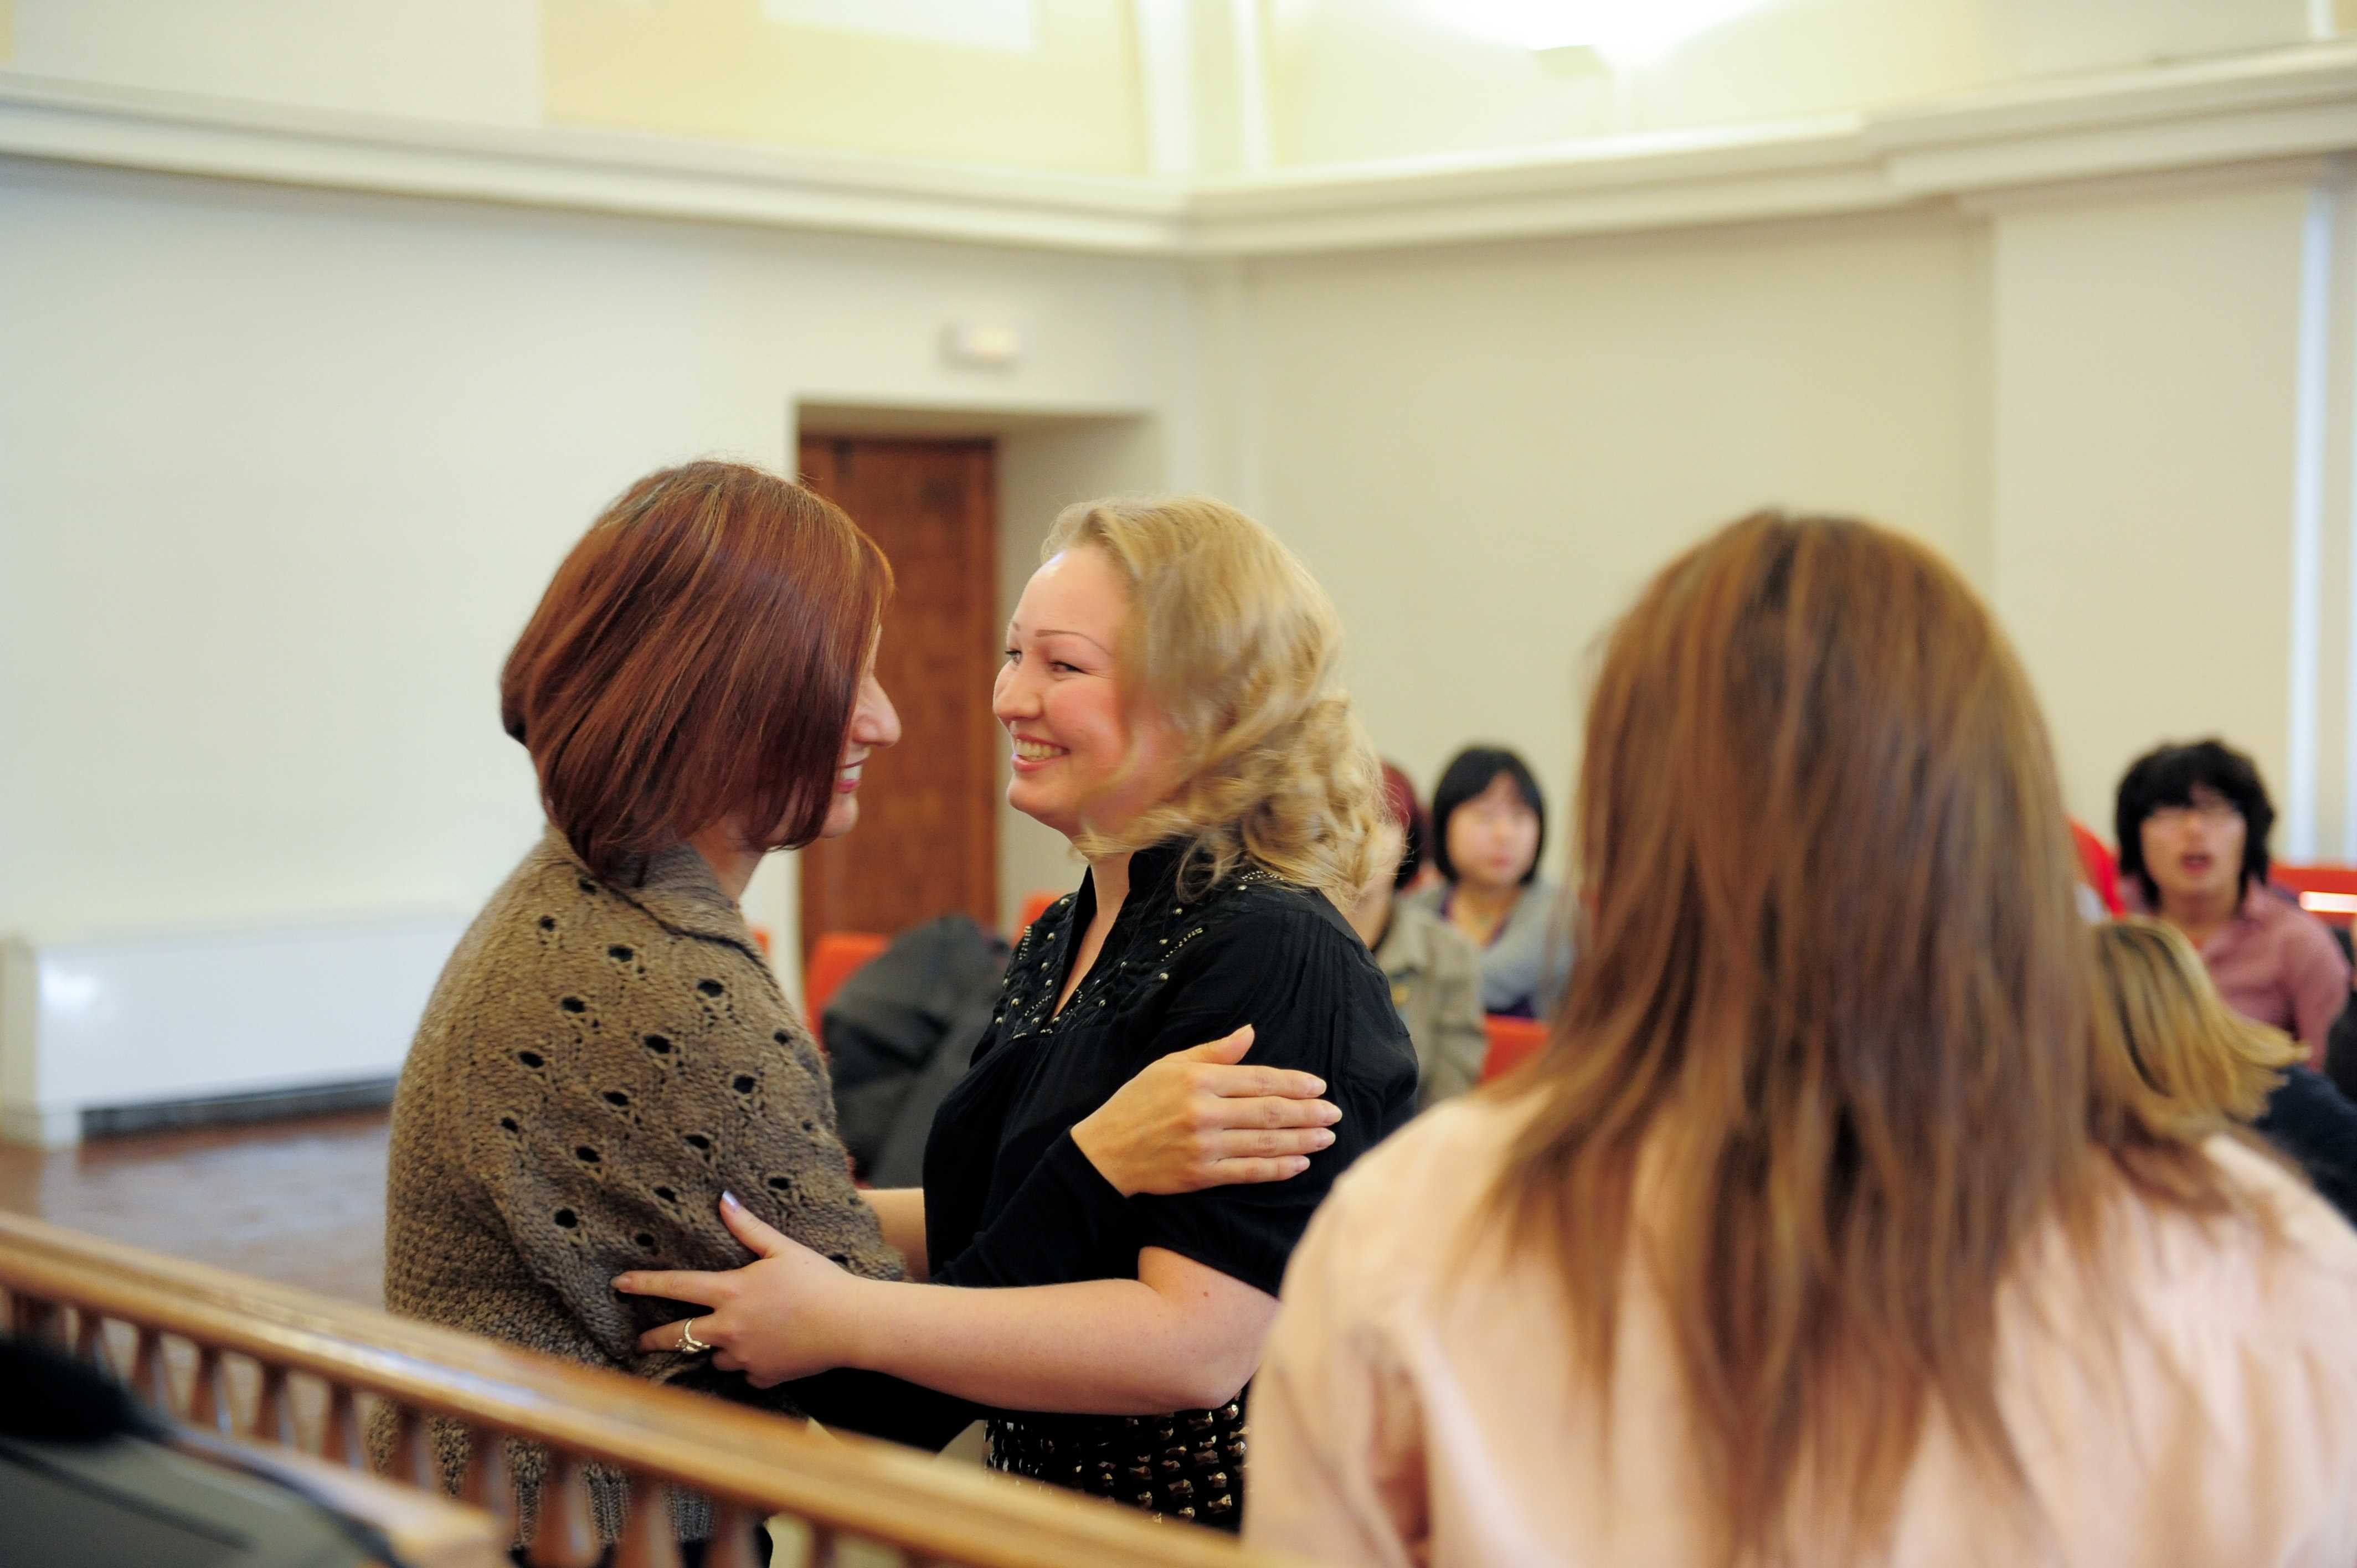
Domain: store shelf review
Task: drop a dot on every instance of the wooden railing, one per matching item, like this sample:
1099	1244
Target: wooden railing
286	1365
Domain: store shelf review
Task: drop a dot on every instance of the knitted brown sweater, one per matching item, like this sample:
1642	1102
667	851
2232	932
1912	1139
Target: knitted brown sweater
599	1061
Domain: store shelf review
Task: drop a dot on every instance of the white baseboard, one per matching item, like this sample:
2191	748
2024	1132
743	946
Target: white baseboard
108	1024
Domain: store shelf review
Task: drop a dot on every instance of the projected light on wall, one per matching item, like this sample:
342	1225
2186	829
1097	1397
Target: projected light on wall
1623	32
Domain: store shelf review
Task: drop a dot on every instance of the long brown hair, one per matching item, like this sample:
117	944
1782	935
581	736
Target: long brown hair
1836	992
698	653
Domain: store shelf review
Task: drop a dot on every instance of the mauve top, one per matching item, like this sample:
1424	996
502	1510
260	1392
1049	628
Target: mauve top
2273	963
1419	1404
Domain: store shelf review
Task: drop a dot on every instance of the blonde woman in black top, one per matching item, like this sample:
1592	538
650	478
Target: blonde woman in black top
1170	697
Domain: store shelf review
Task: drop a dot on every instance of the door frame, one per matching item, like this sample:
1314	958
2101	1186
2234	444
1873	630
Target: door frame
1048	457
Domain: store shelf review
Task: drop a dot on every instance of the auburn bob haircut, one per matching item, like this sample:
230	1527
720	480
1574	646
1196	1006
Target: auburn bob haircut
698	654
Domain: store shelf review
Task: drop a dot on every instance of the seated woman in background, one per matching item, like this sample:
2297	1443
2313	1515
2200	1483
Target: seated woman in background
1170	695
2193	822
1436	975
2209	1065
608	1050
1819	1234
1488	828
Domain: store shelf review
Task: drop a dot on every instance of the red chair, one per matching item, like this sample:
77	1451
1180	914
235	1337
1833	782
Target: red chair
1033	907
2098	867
839	956
2327	892
1513	1041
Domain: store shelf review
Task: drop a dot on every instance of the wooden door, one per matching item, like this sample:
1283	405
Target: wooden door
926	842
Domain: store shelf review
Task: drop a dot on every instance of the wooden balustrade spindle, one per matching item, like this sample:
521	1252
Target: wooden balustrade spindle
150	1380
39	1322
487	1485
731	1545
208	1398
273	1412
340	1442
822	1553
89	1341
647	1541
413	1452
566	1534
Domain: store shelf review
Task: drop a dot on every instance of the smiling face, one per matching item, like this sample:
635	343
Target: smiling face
2195	850
1494	836
874	726
1059	697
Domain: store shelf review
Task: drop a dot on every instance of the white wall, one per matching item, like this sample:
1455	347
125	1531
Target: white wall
2147	374
1484	452
281	475
1041	472
281	472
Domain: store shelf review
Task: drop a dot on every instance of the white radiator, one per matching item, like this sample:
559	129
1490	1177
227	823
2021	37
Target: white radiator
106	1024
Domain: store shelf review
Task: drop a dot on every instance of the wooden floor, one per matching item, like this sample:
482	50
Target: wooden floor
299	1201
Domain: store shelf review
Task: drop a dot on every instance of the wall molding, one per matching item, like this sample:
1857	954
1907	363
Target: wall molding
2251	110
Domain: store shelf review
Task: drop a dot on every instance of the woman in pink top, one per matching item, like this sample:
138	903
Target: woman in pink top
1818	1234
2193	824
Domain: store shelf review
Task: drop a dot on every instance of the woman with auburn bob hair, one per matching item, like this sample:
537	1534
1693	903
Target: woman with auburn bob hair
1170	696
607	1051
1819	1233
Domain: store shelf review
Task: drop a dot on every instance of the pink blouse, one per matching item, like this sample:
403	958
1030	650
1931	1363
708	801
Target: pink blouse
1420	1406
2274	962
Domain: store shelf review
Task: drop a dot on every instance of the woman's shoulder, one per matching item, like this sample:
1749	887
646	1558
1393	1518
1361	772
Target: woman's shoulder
2311	1238
1541	905
1446	1157
1268	915
1442	944
2300	932
1399	1213
2279	1271
557	949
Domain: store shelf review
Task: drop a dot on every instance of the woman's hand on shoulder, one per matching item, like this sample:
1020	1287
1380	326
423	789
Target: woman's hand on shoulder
1198	1118
788	1314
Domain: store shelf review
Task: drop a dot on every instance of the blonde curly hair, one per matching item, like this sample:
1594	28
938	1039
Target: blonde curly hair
1233	642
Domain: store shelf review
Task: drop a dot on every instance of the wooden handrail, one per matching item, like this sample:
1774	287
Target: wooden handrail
751	1463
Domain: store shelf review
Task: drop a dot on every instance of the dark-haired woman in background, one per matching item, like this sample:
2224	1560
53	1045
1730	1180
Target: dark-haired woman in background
1488	828
1436	975
2193	824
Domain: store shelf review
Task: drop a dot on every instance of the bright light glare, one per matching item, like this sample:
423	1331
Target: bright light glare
1624	31
68	991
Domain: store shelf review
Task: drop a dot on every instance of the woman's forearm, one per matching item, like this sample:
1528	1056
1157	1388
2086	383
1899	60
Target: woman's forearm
1102	1346
901	1214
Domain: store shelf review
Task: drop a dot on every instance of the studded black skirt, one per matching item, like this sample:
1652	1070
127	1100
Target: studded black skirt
1188	1466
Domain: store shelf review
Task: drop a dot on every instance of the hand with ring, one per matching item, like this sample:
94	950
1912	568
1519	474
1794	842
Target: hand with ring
788	1314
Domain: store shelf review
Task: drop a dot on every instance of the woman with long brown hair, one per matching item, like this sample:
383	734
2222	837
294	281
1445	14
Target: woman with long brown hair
1818	1233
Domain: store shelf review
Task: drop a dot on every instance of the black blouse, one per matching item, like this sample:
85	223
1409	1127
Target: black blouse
1175	972
1010	1200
